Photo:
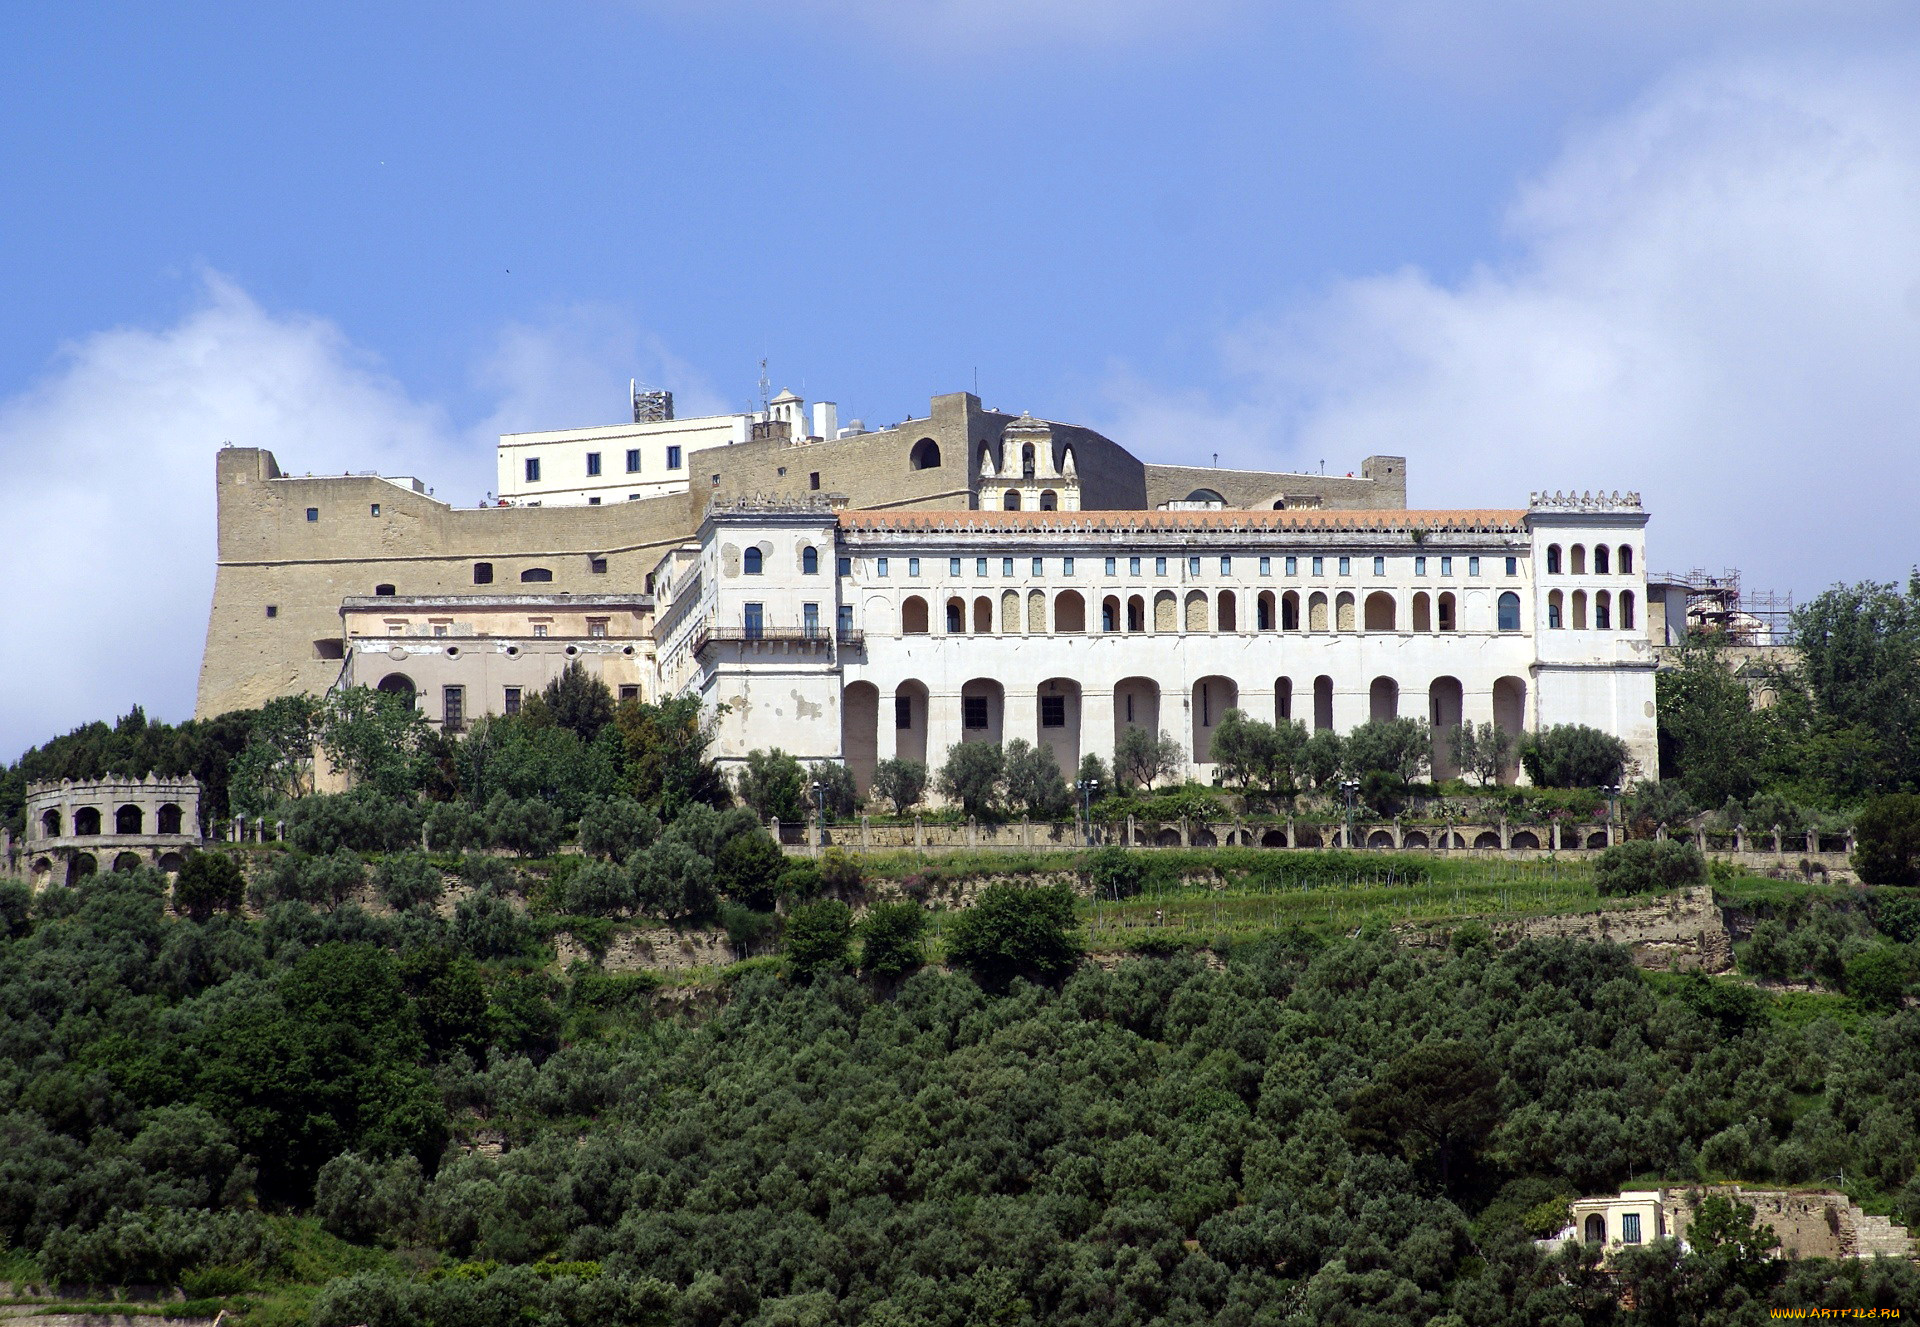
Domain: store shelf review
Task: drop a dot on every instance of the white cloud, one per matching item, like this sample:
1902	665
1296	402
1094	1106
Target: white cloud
1714	298
110	499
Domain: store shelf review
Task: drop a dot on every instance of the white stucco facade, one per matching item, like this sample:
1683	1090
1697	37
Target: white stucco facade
902	633
608	464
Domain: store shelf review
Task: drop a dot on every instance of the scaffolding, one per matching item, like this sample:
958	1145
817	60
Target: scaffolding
650	405
1716	602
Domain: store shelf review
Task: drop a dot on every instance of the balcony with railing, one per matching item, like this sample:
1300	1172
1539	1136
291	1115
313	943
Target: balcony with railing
804	635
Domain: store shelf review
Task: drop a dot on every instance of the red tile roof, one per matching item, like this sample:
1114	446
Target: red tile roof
1475	521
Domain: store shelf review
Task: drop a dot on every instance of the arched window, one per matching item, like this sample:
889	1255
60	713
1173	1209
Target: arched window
1136	613
1382	612
1290	611
925	455
751	565
1422	611
809	561
50	825
1626	610
1579	610
1599	559
1578	560
86	821
956	618
1227	611
1596	1231
1110	614
1343	611
128	819
167	819
1449	619
1070	613
983	616
1010	612
913	615
1553	611
1283	700
1026	461
1011	502
1049	500
1553	559
1509	611
1263	611
1602	610
397	684
383	591
536	576
1626	559
1317	611
1206	495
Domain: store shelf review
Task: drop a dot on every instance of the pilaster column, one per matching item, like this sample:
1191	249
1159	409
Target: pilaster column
1096	727
943	726
1020	715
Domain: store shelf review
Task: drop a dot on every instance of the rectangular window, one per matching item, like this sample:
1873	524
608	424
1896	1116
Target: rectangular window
313	513
1420	566
1006	566
633	460
598	566
880	566
973	712
1193	566
846	566
1266	566
439	628
673	458
810	620
1513	566
597	627
633	497
1226	566
533	469
593	502
1346	566
1446	566
754	619
813	480
511	705
483	573
1379	566
1039	566
714	481
273	610
1293	566
1473	566
1319	566
903	712
1133	566
539	631
1629	1227
845	619
593	464
1159	566
1066	566
953	566
913	566
979	566
629	691
376	509
1053	711
453	708
1113	566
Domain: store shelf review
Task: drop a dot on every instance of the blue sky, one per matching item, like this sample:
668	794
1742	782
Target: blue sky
1668	247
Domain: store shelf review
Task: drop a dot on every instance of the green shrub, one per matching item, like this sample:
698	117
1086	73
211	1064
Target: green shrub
617	828
1572	755
818	935
408	880
455	827
1013	932
1879	976
1115	872
362	820
1887	840
1648	865
208	882
890	939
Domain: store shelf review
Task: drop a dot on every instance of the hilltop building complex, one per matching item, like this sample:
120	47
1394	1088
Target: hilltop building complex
972	575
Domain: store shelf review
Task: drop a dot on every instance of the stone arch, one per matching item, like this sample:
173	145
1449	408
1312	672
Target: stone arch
1317	611
167	819
1596	1229
1203	838
981	691
1212	698
80	866
1626	610
42	873
1422	611
1448	611
397	684
1165	612
1290	611
1136	704
956	616
1577	560
1227	611
1524	840
925	455
1167	838
860	731
1069	613
1264	618
1110	611
1049	500
1010	500
1274	838
913	616
50	823
544	575
1322	704
1010	612
1597	839
171	862
126	861
1283	700
1553	559
1626	559
1308	836
1057	723
1196	615
1446	709
1037	612
1382	612
1136	613
1486	838
86	821
129	819
1602	611
1383	699
1579	610
1414	838
910	700
1343	611
1600	558
983	616
1380	838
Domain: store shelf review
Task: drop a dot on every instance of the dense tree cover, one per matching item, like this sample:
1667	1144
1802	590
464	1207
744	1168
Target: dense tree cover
135	746
1572	755
1353	1131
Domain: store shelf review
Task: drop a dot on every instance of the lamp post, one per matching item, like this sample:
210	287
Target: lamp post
1089	789
1349	787
1612	790
819	813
